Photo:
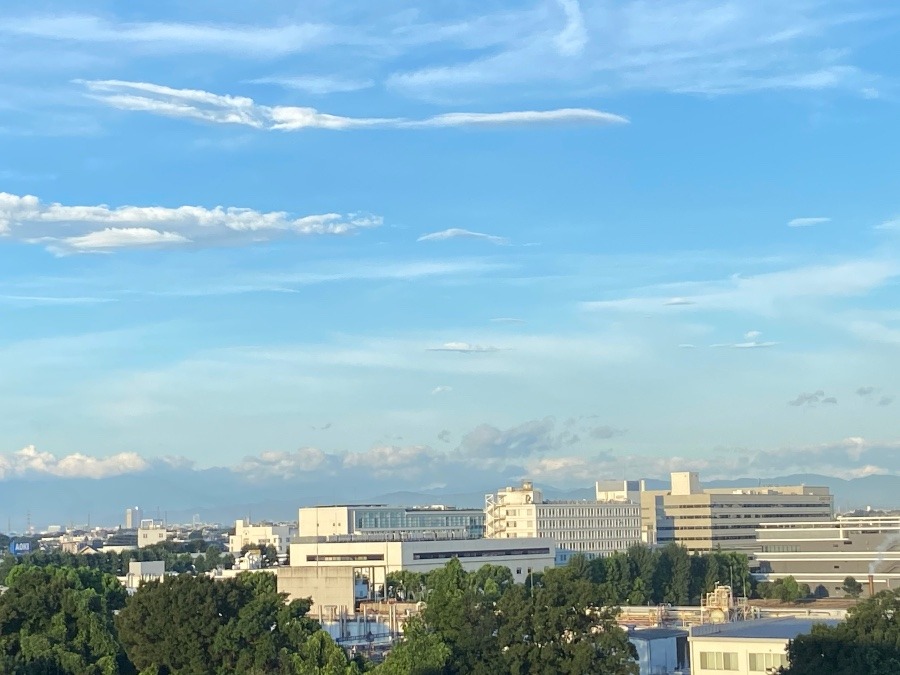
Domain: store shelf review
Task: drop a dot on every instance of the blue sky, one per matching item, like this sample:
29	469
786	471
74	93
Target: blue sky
557	239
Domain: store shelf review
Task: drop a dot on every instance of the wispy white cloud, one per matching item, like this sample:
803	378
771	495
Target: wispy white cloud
685	46
892	224
458	233
317	85
762	293
442	389
807	222
222	109
507	319
102	228
246	40
572	39
464	348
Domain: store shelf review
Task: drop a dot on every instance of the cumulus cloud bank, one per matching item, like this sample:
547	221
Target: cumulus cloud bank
29	461
78	229
204	106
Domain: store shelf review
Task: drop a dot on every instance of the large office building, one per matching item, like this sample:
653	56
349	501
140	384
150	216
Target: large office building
341	571
707	519
260	536
592	528
824	553
378	519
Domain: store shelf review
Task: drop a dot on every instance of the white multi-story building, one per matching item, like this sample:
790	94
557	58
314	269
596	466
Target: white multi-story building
340	571
132	518
262	535
592	528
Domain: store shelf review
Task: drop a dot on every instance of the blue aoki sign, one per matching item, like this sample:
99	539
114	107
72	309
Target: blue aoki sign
19	547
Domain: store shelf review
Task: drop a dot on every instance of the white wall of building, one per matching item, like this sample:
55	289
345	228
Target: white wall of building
247	534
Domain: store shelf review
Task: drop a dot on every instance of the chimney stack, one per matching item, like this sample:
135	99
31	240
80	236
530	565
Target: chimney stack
871	585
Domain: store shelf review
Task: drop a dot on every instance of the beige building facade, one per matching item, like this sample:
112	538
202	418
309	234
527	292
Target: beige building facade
707	519
592	528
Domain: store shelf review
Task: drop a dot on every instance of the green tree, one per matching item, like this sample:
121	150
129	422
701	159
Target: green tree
851	587
464	619
60	622
675	564
562	628
866	643
422	652
200	626
320	655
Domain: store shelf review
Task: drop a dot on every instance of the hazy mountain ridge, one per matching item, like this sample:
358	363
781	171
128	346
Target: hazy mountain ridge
221	495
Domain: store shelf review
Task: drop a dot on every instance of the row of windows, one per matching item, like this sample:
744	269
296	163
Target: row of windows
446	555
585	511
757	662
366	557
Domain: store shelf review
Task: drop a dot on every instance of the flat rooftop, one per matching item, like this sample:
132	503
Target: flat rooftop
656	633
786	628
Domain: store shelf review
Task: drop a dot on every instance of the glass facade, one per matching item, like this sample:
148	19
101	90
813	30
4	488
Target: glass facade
371	519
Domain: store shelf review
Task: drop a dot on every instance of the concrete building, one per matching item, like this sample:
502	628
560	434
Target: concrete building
661	651
825	553
132	518
591	528
341	571
147	570
151	532
706	519
745	647
261	535
376	519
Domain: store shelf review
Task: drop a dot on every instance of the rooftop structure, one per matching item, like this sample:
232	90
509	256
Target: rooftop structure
380	518
592	528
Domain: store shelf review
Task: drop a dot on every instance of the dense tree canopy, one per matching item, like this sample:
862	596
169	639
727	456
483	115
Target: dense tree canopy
59	621
867	643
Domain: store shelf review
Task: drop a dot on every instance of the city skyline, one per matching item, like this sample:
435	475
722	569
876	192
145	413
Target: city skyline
563	241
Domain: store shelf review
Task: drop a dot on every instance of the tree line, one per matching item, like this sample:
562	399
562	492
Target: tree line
191	556
640	575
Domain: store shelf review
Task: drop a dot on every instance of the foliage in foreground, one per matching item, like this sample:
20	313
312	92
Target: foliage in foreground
866	643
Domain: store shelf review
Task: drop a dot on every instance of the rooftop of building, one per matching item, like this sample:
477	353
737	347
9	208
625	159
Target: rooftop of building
786	628
656	633
430	507
417	536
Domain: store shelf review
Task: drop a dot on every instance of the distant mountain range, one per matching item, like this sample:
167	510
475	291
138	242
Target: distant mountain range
222	495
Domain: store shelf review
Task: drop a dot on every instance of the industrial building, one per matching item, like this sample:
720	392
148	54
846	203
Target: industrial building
591	528
661	651
378	519
725	518
261	536
339	572
825	553
745	647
